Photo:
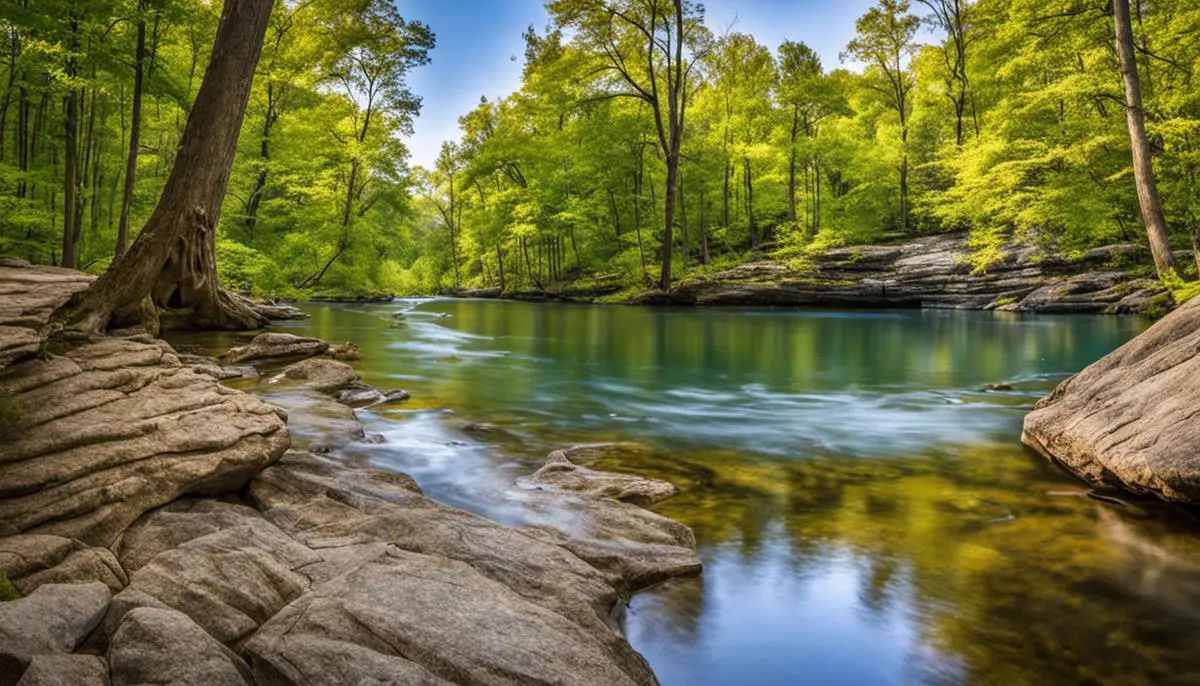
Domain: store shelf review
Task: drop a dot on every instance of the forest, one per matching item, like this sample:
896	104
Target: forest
643	145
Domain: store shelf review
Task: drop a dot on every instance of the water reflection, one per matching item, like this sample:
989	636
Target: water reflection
863	509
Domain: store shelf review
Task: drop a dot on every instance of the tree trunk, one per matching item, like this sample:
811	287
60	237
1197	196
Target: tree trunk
664	279
172	263
134	133
703	229
500	262
71	170
1143	169
754	238
683	238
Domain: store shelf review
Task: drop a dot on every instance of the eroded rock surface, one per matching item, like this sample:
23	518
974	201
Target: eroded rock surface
28	296
116	427
53	620
275	346
156	646
932	272
30	560
600	517
65	670
1132	419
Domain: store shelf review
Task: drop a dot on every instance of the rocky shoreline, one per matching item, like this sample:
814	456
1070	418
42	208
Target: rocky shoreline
925	272
163	528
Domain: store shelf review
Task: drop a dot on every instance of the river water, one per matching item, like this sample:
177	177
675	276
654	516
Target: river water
864	509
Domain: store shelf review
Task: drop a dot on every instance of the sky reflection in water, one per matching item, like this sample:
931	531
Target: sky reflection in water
864	510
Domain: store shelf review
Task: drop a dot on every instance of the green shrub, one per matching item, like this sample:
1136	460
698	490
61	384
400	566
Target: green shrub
10	414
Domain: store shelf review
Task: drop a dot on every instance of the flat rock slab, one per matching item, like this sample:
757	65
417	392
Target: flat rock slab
600	517
421	619
29	294
1131	420
117	427
54	619
325	504
164	647
275	346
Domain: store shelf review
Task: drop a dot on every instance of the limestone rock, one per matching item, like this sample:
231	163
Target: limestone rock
275	346
1132	419
560	473
154	646
114	428
54	619
591	513
65	670
315	500
220	564
412	618
30	560
322	374
29	294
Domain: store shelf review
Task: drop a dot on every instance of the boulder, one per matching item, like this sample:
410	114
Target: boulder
267	346
54	619
323	375
65	670
155	646
370	397
30	560
344	351
114	428
411	618
1131	420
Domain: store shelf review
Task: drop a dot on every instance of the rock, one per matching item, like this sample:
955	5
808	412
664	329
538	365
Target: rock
591	514
316	499
617	451
931	272
370	397
223	373
560	473
29	294
220	564
65	670
420	619
1130	420
319	423
1001	386
322	374
155	646
54	619
115	428
345	351
275	346
30	560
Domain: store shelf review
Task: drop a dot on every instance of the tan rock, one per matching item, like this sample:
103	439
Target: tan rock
30	560
65	670
1132	419
275	346
164	647
54	619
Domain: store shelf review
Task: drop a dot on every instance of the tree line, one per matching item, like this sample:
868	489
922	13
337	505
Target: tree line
641	146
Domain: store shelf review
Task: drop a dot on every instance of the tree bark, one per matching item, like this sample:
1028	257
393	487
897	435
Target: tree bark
134	133
1143	169
172	263
70	169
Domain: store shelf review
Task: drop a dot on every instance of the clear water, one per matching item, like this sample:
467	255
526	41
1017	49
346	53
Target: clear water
864	510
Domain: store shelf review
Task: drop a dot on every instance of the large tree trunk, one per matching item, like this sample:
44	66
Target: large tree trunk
134	134
172	263
1143	170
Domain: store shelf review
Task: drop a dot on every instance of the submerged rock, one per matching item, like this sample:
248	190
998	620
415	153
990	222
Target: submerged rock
1131	419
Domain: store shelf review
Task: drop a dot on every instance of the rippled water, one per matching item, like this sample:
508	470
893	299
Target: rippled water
864	510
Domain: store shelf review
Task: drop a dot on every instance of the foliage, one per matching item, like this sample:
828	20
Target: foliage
7	590
1001	117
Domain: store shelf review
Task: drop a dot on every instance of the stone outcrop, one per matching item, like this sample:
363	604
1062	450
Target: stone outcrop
28	296
931	272
1131	420
116	427
159	534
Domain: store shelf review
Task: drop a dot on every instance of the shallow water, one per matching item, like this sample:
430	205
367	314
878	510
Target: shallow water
865	512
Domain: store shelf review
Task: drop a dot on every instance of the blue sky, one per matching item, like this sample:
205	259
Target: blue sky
479	48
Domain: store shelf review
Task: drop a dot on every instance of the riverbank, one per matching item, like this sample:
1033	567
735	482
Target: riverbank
162	527
925	272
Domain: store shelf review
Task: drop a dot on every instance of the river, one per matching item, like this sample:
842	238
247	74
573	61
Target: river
863	507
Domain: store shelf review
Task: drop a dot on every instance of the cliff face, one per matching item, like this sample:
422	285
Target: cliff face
933	272
1132	419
